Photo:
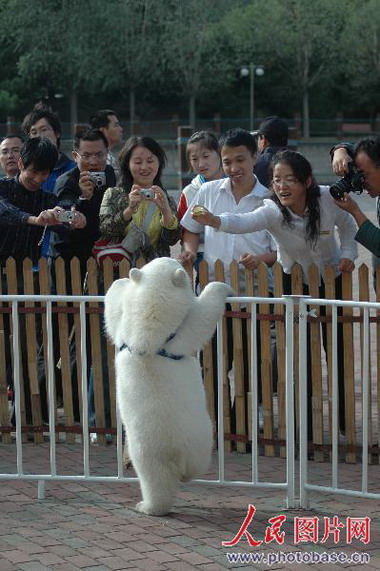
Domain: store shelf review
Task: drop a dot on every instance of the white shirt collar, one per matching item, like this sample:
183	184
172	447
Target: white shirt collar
259	190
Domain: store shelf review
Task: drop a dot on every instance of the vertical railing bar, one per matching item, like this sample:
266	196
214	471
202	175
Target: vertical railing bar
119	436
289	400
17	387
334	434
254	393
219	350
51	388
365	398
83	348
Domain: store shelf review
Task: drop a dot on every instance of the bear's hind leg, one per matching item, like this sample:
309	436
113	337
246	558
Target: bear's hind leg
158	488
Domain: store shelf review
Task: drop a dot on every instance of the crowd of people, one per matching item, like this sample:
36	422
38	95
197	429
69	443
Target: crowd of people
252	200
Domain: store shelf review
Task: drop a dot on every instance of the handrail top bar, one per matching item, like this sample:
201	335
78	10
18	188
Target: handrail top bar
340	302
100	298
238	299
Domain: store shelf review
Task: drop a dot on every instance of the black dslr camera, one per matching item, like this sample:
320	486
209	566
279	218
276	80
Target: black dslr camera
352	182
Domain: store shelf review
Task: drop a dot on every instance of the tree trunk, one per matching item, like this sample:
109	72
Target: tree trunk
192	112
132	111
305	113
73	110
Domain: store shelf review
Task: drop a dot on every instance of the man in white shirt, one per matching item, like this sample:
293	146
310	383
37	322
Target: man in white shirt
240	192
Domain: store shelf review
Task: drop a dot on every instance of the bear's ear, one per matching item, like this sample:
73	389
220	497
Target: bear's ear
135	275
179	278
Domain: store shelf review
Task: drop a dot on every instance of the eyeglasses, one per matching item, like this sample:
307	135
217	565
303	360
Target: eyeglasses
87	156
285	182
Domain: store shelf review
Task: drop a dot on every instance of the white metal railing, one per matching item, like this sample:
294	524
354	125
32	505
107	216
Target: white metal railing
288	485
293	305
305	486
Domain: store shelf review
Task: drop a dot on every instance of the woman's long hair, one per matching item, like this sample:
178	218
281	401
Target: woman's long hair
303	172
125	156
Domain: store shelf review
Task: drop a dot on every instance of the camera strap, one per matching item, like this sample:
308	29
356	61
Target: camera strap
42	236
147	219
148	216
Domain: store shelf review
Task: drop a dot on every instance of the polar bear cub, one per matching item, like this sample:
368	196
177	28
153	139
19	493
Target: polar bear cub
157	324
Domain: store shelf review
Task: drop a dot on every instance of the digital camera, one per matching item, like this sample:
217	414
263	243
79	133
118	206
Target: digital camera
66	216
147	192
99	178
352	182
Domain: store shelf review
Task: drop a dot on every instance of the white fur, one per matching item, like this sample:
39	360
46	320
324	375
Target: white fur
162	400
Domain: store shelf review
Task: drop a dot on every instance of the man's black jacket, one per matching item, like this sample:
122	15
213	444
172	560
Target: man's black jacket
79	242
18	238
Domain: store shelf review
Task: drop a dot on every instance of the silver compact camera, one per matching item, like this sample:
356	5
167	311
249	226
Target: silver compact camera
66	216
147	192
99	178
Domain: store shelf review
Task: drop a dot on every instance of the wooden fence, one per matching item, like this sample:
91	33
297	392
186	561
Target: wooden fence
271	364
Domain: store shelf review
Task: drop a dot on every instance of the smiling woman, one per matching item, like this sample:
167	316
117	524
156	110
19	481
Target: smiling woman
300	215
130	206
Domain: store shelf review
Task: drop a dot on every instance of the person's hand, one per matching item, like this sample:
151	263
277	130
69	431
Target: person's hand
347	203
134	197
205	217
161	200
46	217
187	256
80	221
346	265
86	185
340	162
134	200
350	205
249	261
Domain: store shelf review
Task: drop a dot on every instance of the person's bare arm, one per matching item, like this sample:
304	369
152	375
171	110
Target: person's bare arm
190	243
349	205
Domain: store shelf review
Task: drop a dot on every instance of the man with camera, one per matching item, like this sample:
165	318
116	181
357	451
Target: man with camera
25	212
360	165
83	188
25	209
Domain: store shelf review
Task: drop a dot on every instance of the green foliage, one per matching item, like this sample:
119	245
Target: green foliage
360	43
8	102
323	55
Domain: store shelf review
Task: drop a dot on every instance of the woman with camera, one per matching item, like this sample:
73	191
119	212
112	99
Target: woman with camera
140	208
302	218
142	216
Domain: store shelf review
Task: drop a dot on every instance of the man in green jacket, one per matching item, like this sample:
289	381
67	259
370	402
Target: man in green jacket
366	156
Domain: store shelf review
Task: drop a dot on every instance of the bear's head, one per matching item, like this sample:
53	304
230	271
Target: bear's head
145	310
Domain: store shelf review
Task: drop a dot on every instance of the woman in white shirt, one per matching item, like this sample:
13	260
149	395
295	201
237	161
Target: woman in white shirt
302	218
300	215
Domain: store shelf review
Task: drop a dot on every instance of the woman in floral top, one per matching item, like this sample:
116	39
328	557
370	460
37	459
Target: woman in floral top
141	160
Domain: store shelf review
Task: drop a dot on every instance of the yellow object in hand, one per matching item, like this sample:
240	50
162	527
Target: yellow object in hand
199	210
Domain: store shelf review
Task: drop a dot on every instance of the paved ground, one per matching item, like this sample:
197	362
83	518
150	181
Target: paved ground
93	526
